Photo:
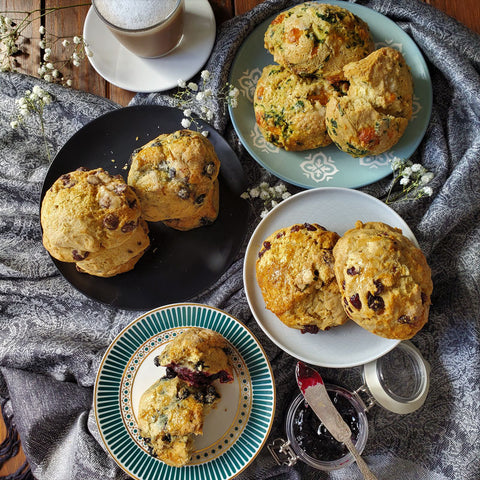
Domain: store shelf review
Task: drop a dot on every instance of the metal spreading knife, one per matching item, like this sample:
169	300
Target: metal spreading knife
311	385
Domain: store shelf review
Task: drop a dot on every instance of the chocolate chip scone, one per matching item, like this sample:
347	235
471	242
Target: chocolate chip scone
317	39
173	174
109	262
171	414
86	211
384	279
295	274
198	356
373	115
290	110
206	215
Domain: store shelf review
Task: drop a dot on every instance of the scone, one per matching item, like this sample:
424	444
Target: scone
290	110
112	261
86	211
171	413
317	39
198	356
357	128
384	279
173	174
295	274
374	114
384	79
206	215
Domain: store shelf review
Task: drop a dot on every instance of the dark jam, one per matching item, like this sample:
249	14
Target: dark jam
312	436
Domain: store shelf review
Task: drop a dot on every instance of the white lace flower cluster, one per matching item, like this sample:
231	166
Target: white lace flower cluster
191	94
33	102
12	45
413	179
271	196
74	50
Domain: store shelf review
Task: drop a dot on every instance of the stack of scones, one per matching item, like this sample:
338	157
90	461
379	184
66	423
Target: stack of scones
330	85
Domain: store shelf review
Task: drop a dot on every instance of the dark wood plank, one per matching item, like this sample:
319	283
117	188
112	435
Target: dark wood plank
465	11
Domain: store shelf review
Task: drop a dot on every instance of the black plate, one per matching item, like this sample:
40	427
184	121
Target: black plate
178	265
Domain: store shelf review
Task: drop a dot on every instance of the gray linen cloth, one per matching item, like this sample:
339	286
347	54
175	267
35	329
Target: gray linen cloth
52	337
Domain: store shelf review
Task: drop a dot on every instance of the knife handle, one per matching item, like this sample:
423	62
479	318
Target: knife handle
366	472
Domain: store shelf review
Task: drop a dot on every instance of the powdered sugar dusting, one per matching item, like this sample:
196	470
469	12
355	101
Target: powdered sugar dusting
135	14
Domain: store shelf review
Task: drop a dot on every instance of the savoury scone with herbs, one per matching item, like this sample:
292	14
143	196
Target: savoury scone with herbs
384	279
206	215
109	262
173	174
171	414
87	211
290	110
198	356
373	115
317	39
295	274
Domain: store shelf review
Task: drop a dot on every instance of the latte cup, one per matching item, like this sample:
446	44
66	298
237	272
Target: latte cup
147	28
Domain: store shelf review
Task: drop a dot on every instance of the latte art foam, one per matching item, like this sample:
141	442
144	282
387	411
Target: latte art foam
135	14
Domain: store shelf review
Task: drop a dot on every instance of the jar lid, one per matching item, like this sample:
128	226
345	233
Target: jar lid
399	380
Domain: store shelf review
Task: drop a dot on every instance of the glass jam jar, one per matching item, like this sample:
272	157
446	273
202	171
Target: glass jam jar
397	381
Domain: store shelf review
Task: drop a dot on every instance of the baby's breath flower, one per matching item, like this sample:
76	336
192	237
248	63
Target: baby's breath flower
192	97
205	133
77	40
412	177
65	43
33	102
186	123
41	30
271	196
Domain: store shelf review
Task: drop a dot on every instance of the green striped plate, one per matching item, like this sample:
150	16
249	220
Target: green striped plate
234	432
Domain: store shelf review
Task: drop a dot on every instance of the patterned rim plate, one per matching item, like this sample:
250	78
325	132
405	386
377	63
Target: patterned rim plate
336	209
328	166
234	432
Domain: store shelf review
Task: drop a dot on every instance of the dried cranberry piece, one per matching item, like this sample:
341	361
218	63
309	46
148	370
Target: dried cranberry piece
424	298
309	329
375	302
379	285
129	227
355	301
200	199
310	227
343	285
280	234
296	228
267	245
353	271
111	221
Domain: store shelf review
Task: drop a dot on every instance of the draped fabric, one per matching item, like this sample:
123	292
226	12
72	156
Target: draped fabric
52	337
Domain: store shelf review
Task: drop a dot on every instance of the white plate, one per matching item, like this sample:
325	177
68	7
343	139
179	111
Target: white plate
122	68
233	433
336	209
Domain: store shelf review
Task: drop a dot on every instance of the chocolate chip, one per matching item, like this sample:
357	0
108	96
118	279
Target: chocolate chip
199	200
77	256
129	227
353	271
424	298
132	203
183	193
111	221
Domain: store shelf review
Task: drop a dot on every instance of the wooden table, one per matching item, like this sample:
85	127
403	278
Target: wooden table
69	22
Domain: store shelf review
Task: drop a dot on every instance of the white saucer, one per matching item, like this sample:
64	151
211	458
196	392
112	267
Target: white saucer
122	68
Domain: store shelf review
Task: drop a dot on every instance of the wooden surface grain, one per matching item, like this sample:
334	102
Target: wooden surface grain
69	22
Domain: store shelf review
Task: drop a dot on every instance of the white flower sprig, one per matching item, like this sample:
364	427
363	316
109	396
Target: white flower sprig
413	178
13	44
33	102
75	51
191	94
270	196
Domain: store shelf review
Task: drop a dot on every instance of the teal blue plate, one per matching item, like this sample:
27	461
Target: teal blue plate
328	166
233	433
